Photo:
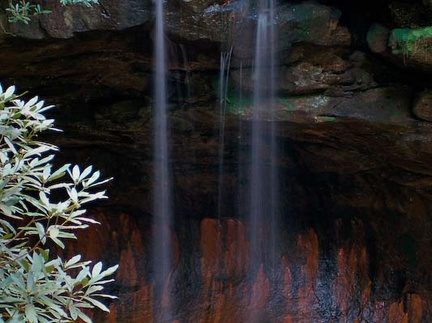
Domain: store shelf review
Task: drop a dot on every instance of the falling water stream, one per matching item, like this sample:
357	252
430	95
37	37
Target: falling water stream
263	177
225	62
263	187
162	244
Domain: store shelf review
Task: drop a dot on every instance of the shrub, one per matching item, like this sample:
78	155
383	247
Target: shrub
40	206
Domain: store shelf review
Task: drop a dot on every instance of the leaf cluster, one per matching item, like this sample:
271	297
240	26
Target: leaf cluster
42	205
23	10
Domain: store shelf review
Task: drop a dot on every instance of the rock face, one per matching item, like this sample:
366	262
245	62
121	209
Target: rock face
211	284
355	136
409	47
63	22
422	107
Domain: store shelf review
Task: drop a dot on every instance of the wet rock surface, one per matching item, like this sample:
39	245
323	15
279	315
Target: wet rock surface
356	144
65	21
211	282
422	106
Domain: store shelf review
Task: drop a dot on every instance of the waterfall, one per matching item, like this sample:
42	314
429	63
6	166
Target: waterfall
263	188
162	241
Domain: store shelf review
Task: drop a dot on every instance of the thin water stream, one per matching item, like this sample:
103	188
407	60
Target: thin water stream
225	62
163	217
263	177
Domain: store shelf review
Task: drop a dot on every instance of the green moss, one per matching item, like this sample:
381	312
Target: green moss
287	103
325	118
403	41
238	106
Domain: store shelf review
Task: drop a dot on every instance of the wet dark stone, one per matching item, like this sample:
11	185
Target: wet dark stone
355	143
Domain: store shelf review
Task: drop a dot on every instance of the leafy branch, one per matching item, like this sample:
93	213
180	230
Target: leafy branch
34	286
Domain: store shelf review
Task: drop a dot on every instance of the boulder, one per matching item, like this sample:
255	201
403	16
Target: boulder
377	38
192	21
306	23
204	21
405	46
423	105
386	104
64	21
312	69
313	23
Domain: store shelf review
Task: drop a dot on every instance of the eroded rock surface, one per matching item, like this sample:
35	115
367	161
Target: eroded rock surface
356	146
65	21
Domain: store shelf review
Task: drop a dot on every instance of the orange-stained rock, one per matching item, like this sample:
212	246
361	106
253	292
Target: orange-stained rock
141	307
224	247
416	306
259	293
211	246
111	317
288	319
224	250
351	277
227	293
366	295
222	303
397	314
237	255
127	273
307	300
308	247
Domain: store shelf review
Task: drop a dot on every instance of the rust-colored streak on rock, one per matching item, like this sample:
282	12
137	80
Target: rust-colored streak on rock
307	300
308	246
211	246
112	317
142	305
224	247
224	259
288	319
236	255
366	295
92	242
415	306
397	314
260	293
127	272
343	283
351	277
221	304
363	265
107	242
